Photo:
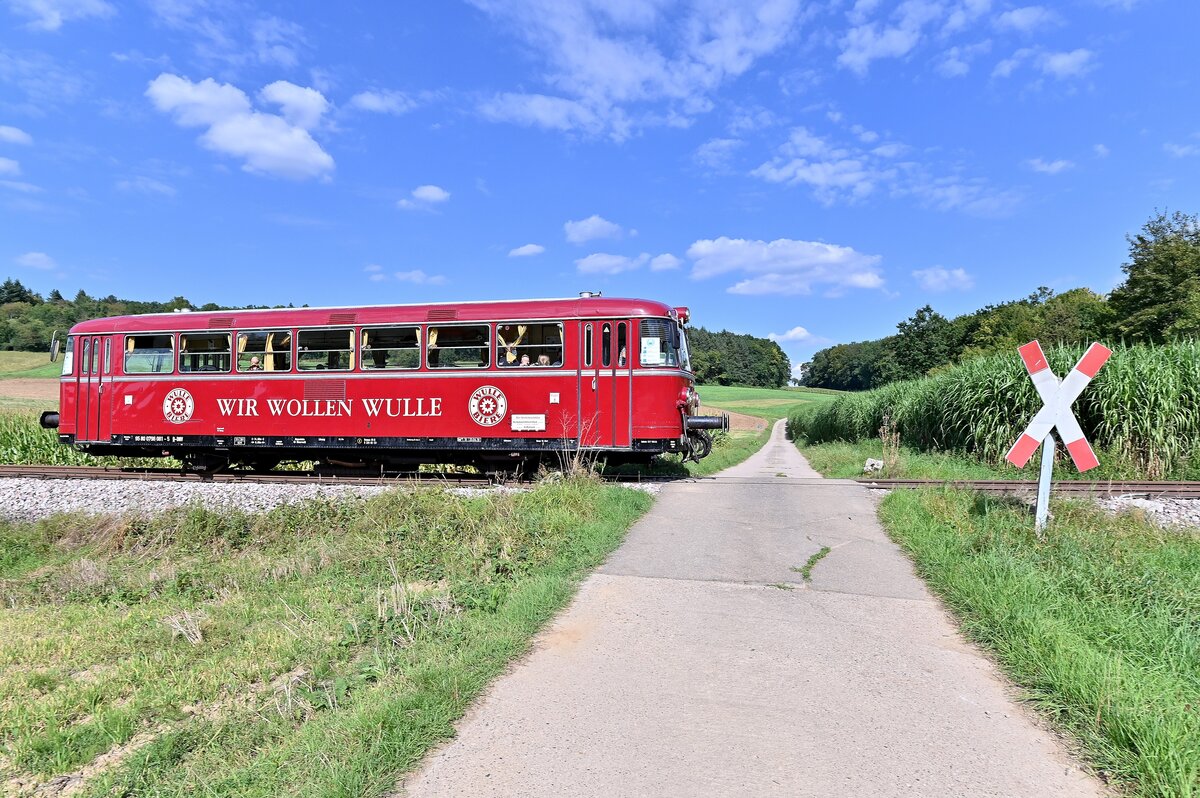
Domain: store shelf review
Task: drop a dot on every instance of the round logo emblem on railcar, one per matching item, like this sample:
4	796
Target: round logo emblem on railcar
178	406
488	406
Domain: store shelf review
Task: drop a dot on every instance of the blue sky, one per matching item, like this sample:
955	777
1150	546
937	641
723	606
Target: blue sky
810	170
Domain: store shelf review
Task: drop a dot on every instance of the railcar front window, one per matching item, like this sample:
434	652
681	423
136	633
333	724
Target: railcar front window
149	354
464	347
656	349
331	350
69	357
265	350
204	352
391	348
529	344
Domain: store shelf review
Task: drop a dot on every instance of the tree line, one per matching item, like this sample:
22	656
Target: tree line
1158	301
27	321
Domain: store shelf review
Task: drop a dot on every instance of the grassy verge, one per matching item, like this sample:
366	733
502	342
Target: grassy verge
14	365
1098	624
316	650
842	460
769	403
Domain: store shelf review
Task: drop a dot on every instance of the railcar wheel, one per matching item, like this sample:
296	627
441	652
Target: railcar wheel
204	463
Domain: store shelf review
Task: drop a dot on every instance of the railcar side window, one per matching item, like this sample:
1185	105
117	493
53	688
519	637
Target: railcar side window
587	345
529	344
606	345
622	355
265	350
203	352
331	350
87	358
656	349
149	354
459	347
69	357
391	348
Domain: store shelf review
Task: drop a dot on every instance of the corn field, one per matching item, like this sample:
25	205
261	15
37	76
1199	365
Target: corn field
1143	408
24	442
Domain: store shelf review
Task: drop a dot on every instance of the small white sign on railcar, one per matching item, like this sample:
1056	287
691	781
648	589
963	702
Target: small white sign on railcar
528	422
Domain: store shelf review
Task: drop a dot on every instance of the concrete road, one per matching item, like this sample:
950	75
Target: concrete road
697	662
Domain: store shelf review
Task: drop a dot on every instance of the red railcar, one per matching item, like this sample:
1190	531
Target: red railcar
476	382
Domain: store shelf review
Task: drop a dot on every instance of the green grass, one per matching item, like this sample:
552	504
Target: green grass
767	403
805	570
338	641
841	460
28	364
1099	624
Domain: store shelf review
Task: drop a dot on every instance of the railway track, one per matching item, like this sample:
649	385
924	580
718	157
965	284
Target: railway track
1181	490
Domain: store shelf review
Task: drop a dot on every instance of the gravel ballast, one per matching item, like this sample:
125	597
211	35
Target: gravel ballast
1164	512
29	499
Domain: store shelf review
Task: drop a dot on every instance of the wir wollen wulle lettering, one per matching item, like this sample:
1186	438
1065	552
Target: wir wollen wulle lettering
406	407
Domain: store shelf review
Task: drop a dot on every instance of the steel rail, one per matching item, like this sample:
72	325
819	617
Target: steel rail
1189	490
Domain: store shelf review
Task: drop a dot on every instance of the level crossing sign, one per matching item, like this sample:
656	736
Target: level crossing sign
1056	413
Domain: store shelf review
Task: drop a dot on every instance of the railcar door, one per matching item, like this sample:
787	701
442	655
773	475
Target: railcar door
93	407
606	384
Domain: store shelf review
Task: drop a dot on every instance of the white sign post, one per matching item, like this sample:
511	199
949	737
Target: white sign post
1057	398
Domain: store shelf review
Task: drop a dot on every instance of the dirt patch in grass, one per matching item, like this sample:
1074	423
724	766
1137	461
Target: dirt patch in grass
25	388
737	421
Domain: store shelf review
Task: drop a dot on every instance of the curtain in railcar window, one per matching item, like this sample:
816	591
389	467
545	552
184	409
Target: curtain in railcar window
391	348
265	350
204	352
529	344
149	354
459	347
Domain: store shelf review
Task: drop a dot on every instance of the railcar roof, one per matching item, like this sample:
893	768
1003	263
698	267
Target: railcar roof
433	312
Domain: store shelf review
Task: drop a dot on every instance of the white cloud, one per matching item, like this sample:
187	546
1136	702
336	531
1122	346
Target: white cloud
606	62
266	143
940	279
1028	19
419	277
49	15
1174	150
1045	167
784	266
145	185
903	30
603	263
716	153
277	41
372	267
1057	65
664	262
375	272
593	227
794	334
301	106
1068	65
24	188
957	61
383	102
423	198
526	250
36	260
431	193
849	172
1100	150
9	167
14	135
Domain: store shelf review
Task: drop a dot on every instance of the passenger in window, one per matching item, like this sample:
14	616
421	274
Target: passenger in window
525	360
543	360
255	365
621	357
